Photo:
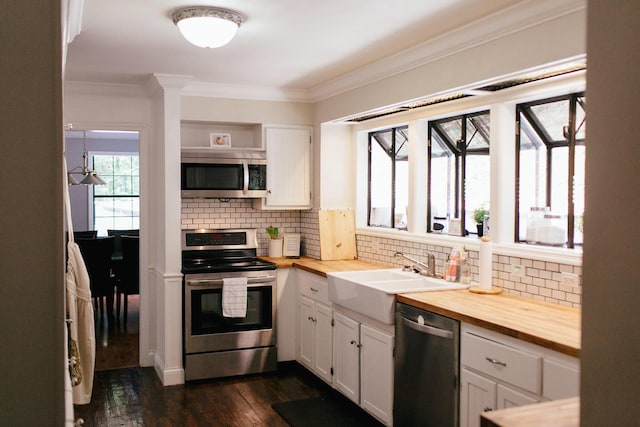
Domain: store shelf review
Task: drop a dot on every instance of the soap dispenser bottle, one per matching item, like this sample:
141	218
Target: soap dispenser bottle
453	273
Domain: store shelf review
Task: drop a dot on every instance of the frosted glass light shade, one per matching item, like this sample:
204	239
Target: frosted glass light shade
207	26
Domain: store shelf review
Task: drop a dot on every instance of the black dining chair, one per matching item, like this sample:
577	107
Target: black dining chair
97	258
89	234
117	243
129	274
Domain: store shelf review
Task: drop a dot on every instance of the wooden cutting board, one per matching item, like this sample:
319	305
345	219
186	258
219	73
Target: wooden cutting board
337	234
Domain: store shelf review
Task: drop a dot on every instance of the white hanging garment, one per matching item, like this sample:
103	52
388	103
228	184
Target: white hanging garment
82	337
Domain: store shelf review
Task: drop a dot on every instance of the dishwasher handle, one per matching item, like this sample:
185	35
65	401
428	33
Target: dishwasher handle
431	330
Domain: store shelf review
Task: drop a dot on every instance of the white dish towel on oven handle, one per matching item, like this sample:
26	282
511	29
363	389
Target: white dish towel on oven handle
234	297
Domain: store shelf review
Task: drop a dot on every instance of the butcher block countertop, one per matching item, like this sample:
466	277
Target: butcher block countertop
549	325
323	267
559	413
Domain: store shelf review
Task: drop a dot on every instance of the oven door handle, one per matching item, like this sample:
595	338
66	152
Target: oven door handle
250	281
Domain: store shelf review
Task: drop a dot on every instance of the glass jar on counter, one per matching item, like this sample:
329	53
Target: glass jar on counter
552	230
534	221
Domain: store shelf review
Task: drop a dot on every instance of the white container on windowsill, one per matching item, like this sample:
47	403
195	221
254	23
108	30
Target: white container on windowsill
275	247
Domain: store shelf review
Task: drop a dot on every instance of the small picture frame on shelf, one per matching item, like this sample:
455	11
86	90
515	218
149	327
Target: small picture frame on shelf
220	140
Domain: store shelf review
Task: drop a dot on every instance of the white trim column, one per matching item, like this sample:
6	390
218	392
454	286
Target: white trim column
165	275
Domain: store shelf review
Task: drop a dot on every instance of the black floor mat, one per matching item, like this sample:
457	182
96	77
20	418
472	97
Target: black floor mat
327	410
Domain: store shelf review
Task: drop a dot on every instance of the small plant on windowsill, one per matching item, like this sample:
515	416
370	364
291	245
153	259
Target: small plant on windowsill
478	216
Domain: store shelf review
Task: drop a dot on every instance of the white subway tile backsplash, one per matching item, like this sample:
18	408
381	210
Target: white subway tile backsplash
542	280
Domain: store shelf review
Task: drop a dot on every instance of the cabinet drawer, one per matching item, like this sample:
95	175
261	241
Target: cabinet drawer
501	361
313	286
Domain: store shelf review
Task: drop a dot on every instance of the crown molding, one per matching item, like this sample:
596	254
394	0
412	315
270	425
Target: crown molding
231	91
492	27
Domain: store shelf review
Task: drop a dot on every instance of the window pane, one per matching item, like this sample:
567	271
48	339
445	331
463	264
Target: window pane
578	195
452	129
402	194
380	187
442	190
477	187
545	161
448	158
402	145
533	177
103	165
581	123
559	180
116	204
478	132
553	117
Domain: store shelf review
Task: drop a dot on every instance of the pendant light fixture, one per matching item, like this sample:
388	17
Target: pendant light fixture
90	177
205	26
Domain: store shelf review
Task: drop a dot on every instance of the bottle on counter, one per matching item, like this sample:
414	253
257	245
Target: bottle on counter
465	268
453	272
534	222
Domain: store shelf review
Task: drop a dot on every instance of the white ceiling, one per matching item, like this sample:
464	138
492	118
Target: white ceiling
284	44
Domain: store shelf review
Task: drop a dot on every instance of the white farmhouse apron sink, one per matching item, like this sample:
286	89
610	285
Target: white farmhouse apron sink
373	292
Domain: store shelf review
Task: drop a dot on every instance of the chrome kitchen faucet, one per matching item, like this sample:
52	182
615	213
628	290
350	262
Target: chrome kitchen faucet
428	269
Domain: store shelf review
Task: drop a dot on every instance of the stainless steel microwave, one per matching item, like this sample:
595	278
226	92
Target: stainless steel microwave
223	173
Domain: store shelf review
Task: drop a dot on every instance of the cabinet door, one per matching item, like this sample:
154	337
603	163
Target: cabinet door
560	379
306	339
376	373
346	357
288	167
510	398
323	341
477	394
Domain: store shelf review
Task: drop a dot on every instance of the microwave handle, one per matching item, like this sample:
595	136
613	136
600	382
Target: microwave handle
245	170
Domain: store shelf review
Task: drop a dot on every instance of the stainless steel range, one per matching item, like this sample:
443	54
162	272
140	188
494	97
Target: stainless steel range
217	343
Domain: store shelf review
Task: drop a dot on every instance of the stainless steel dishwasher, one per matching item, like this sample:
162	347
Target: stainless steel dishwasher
426	365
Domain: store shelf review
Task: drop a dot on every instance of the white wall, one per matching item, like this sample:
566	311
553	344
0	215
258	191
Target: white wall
125	107
610	381
510	52
202	108
337	152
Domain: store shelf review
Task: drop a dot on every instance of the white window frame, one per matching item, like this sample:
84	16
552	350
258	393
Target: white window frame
501	105
90	198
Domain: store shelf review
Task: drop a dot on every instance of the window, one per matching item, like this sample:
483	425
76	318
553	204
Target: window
116	205
550	156
388	178
458	178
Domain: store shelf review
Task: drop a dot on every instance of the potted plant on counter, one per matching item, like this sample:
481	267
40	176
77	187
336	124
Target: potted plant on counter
275	242
478	216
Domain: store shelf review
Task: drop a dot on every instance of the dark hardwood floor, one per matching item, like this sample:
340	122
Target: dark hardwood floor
117	343
136	397
125	394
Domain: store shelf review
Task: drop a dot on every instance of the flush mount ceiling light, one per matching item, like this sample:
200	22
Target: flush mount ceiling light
205	26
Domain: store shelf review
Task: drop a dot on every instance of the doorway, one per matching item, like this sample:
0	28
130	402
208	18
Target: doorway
111	211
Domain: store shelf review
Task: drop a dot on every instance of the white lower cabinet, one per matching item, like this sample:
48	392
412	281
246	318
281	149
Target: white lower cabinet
314	326
349	351
499	372
346	356
376	373
363	366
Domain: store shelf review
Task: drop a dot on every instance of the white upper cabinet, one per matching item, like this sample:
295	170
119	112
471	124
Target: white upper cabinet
288	168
